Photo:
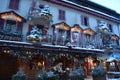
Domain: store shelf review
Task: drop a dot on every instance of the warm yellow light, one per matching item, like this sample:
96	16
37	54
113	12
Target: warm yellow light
43	63
11	17
62	26
88	31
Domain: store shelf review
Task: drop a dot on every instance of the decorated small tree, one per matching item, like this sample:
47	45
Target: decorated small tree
45	12
19	75
99	73
35	35
43	75
77	74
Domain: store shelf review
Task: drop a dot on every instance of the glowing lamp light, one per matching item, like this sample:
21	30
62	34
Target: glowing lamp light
11	16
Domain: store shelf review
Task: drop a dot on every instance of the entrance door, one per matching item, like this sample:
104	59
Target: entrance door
8	66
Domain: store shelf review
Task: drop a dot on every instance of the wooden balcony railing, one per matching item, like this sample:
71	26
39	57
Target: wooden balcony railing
5	35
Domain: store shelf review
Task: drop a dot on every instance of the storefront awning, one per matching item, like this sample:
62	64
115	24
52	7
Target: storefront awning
11	15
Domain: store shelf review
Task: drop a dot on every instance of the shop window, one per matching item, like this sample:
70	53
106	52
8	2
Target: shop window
10	26
85	20
61	15
14	4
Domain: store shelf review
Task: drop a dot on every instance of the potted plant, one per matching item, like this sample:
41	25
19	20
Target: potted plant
43	75
77	74
99	73
19	75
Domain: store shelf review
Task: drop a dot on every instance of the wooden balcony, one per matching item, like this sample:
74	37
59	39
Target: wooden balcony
36	16
4	35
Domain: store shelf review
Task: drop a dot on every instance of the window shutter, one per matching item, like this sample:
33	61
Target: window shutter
68	34
60	12
11	4
30	28
2	23
87	21
19	26
82	19
14	4
61	15
98	22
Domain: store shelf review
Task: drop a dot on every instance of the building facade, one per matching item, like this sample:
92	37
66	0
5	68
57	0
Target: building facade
48	32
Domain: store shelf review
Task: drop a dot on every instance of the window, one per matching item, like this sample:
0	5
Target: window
84	20
10	26
88	37
61	14
14	4
110	27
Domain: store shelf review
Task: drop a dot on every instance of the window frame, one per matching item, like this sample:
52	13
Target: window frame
110	27
10	27
84	20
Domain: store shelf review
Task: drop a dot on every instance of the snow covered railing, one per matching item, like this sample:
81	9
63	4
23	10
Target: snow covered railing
113	74
79	48
41	12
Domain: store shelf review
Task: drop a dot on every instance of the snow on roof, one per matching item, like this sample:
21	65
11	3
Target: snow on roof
114	57
110	59
57	46
90	9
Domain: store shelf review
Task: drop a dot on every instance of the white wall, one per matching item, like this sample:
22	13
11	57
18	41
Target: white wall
72	16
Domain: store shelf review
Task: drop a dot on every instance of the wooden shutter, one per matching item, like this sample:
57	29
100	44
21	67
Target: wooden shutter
82	19
61	15
60	12
2	23
14	4
87	21
11	4
30	28
68	34
19	26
